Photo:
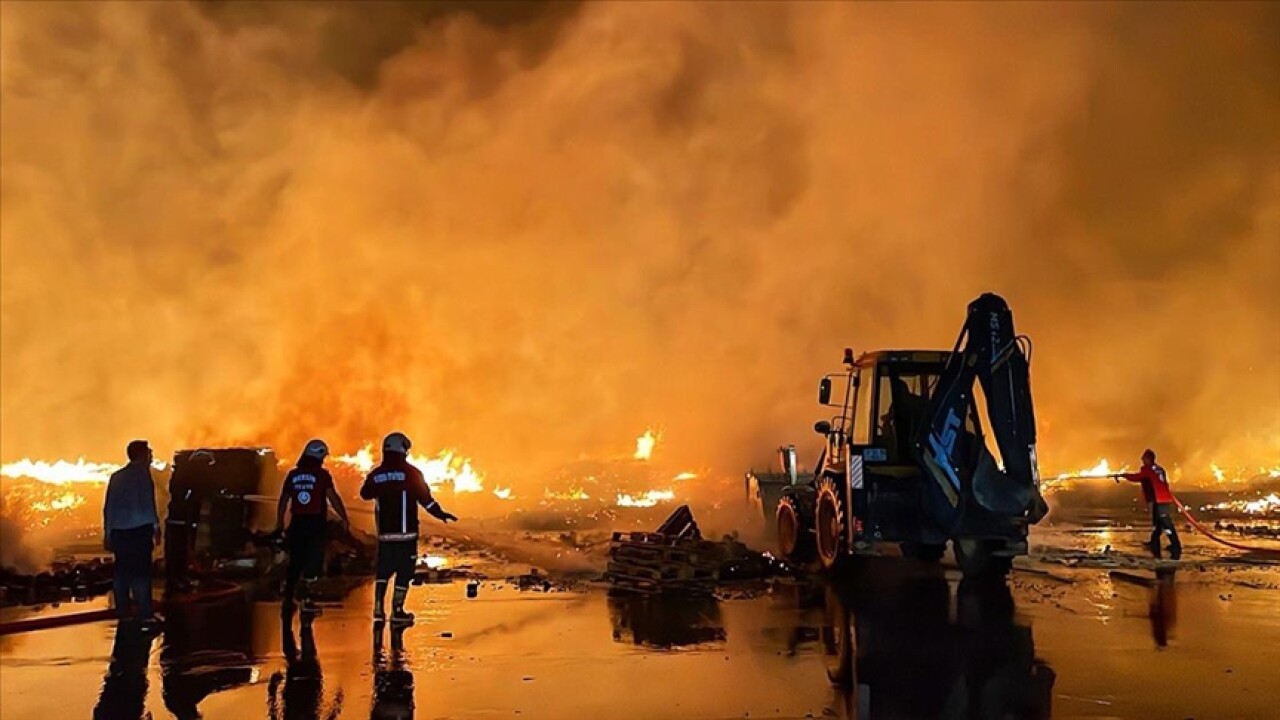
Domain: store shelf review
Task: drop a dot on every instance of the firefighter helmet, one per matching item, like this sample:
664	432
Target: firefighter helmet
396	442
316	448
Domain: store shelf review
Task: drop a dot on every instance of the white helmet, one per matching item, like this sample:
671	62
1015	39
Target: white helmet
316	449
396	442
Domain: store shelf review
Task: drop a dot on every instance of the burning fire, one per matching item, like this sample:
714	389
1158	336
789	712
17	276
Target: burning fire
446	468
645	499
645	444
1101	470
63	472
65	501
1269	505
686	476
502	493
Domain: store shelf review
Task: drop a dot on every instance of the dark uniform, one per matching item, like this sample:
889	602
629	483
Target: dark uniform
397	489
307	487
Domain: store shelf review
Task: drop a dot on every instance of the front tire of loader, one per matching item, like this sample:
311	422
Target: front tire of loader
795	533
839	642
977	562
829	526
923	552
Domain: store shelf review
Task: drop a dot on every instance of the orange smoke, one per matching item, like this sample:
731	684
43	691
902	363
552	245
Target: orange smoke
523	232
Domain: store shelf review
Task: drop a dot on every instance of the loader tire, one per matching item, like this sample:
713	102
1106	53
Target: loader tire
829	526
839	641
924	552
795	532
977	563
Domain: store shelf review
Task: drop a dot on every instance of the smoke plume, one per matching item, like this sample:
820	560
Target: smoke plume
532	231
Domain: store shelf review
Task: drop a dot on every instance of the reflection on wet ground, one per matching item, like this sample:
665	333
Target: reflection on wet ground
892	640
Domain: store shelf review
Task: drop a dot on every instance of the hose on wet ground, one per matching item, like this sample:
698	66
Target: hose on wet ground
1218	539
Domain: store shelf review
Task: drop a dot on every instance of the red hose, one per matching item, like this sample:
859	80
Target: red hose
1209	534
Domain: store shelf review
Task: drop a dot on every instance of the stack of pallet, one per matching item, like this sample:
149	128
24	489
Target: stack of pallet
676	561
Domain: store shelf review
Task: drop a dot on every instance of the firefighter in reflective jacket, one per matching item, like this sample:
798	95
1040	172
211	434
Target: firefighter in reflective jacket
308	490
1155	488
397	489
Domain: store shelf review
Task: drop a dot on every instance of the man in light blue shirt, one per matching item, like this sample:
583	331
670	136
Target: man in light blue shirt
130	529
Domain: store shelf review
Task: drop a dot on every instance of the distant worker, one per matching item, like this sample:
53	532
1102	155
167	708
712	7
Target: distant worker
397	489
308	489
1155	489
130	529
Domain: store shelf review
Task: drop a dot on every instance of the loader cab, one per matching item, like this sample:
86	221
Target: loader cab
886	401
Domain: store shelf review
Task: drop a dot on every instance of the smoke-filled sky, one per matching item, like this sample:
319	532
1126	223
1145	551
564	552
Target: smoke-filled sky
530	232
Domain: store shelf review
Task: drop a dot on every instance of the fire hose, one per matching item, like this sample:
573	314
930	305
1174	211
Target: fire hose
1220	540
1196	523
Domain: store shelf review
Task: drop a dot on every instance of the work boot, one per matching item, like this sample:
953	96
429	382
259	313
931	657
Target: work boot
400	617
1154	547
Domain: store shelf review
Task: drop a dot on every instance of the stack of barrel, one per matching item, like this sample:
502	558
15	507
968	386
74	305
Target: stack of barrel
673	560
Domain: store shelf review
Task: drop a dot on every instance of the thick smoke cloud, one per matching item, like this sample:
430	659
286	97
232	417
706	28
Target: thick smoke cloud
530	232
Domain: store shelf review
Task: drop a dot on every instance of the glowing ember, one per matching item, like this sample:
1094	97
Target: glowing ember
686	476
65	501
574	495
645	444
646	499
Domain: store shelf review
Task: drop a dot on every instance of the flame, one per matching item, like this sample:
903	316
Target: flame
1269	505
646	499
1102	469
361	460
60	472
1218	474
446	468
502	493
686	476
645	444
434	562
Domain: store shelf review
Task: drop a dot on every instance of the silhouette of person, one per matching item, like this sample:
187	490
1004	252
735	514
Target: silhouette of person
392	679
124	690
298	692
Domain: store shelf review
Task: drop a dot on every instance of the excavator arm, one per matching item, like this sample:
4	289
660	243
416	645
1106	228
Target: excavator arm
950	445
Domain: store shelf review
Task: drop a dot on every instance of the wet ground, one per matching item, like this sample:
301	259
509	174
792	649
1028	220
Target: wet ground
1078	633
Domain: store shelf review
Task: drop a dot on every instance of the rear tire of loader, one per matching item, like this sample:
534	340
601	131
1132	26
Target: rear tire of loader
795	534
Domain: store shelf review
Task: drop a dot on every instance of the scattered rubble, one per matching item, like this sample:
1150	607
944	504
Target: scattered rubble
676	559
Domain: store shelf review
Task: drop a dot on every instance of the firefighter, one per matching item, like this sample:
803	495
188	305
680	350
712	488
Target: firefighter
308	490
397	488
1155	489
